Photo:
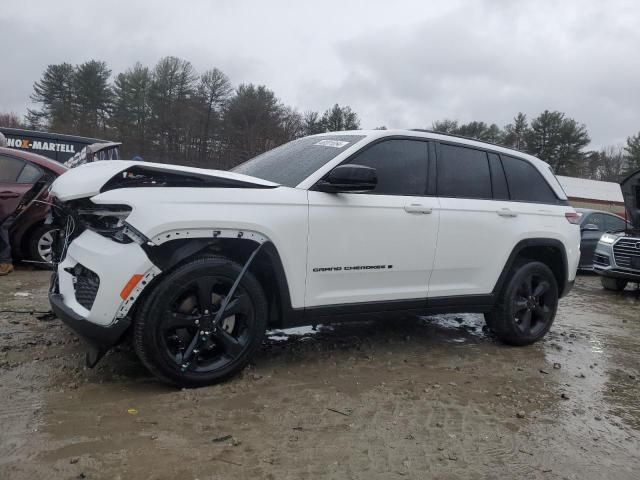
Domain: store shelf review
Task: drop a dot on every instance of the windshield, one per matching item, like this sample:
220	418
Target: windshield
291	163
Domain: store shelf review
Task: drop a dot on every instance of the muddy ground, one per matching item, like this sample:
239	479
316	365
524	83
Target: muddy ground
414	398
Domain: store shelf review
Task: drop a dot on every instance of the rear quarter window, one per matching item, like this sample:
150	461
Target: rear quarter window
526	184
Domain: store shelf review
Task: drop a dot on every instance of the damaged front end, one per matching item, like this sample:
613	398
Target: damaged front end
87	235
102	262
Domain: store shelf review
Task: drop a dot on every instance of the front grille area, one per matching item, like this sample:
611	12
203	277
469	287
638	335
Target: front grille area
68	228
86	284
602	260
625	251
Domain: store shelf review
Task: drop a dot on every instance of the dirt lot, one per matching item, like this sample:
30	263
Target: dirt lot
415	398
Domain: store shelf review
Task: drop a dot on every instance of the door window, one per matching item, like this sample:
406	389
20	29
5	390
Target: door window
29	174
613	223
597	219
401	166
463	173
498	180
10	169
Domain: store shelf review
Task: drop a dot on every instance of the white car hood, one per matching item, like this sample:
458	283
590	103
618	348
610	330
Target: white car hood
88	180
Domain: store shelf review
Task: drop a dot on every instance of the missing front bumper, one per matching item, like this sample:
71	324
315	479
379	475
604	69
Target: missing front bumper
99	338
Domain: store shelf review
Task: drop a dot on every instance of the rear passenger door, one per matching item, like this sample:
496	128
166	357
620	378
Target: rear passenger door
489	202
475	229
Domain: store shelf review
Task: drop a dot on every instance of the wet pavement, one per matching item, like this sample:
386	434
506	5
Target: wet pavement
433	397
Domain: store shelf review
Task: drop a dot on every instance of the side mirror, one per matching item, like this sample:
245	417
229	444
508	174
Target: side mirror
590	227
349	178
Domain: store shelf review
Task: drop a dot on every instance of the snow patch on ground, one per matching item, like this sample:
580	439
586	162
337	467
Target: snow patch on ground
470	322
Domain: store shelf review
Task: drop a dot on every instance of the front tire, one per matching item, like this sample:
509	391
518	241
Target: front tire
614	284
527	305
171	336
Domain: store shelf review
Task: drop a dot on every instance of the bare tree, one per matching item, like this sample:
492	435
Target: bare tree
10	120
608	164
213	92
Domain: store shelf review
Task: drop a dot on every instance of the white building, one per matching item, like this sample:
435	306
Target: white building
593	194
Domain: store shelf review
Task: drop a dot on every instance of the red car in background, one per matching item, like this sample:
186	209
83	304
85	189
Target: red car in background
24	184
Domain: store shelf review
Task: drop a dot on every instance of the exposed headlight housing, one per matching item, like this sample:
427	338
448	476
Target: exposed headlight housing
108	221
608	239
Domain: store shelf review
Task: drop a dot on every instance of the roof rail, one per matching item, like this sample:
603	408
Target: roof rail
463	136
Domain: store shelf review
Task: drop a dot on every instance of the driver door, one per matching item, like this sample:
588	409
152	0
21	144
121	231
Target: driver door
379	245
589	238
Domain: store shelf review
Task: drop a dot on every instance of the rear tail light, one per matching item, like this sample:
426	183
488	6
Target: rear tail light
572	217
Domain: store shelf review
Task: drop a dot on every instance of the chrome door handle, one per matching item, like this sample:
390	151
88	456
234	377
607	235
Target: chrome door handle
505	212
417	208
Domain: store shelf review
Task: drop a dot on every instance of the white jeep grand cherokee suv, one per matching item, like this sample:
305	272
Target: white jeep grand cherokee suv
199	263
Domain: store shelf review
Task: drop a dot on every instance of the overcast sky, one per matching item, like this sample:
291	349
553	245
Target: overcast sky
396	63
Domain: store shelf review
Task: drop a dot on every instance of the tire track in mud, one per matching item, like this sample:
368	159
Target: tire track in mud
20	411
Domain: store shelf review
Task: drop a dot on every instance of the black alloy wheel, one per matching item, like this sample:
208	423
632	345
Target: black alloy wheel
533	303
189	331
190	334
527	305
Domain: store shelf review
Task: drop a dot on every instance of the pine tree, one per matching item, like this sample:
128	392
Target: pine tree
515	133
340	118
445	126
55	92
559	141
172	119
312	123
92	98
252	123
131	109
632	153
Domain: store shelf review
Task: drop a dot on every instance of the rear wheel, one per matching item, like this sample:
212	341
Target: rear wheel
527	305
181	338
614	284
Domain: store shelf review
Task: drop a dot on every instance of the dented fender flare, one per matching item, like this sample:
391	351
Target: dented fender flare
165	253
168	249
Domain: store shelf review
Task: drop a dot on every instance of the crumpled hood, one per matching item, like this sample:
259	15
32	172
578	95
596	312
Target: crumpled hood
93	178
631	194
